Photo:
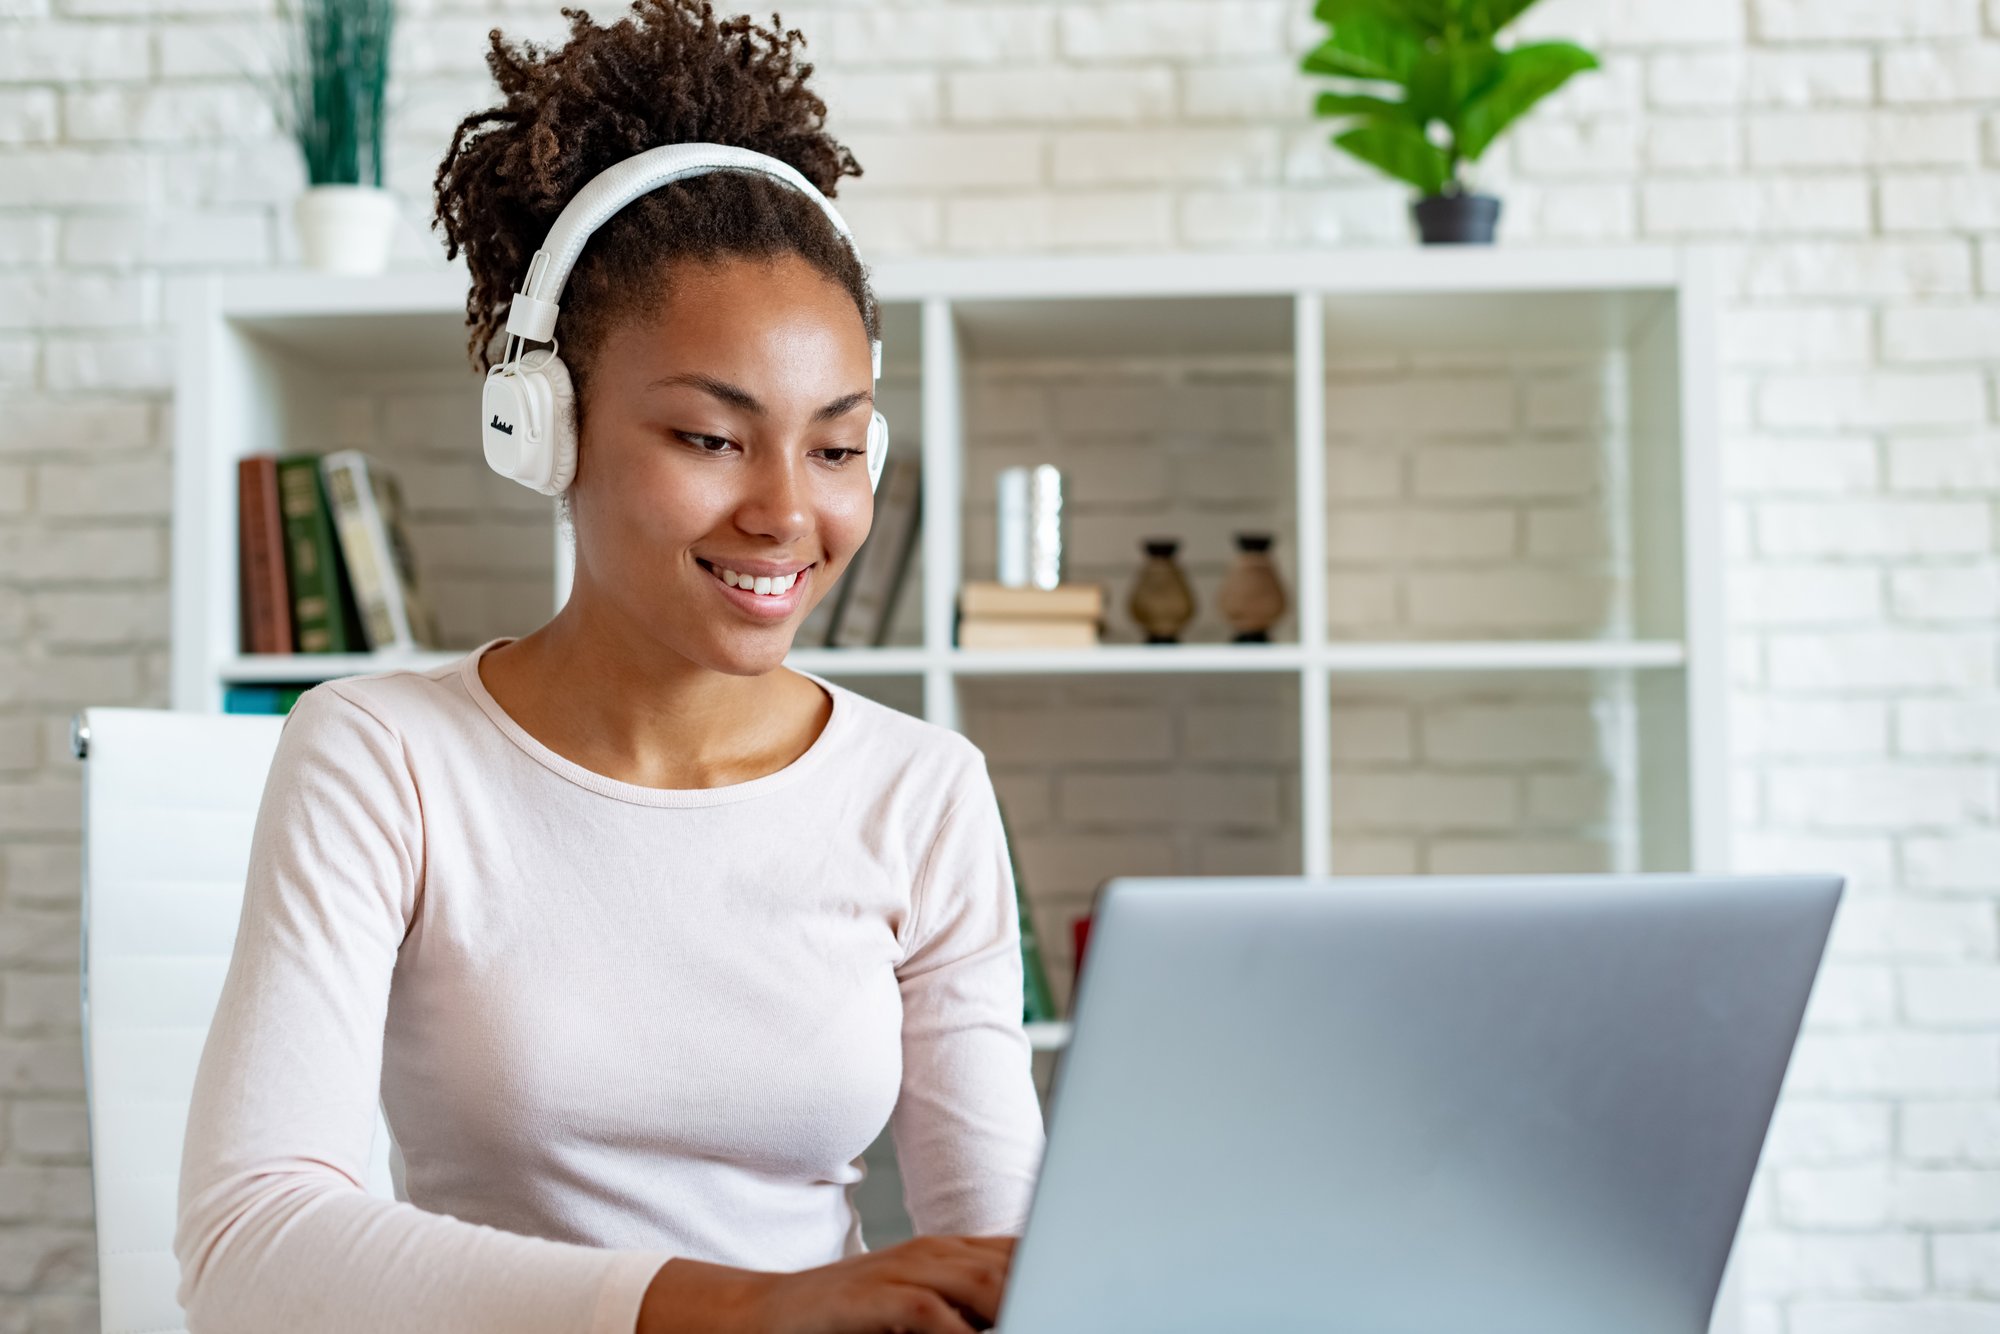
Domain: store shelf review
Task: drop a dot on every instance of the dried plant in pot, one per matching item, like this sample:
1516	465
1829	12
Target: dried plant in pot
1429	90
330	93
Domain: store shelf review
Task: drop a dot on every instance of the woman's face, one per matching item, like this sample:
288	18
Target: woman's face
726	431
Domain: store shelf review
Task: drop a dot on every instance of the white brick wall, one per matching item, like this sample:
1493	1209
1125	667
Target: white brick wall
1841	156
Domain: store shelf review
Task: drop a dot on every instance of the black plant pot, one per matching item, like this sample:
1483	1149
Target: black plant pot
1461	219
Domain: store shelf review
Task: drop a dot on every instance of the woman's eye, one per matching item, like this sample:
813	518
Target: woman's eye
715	444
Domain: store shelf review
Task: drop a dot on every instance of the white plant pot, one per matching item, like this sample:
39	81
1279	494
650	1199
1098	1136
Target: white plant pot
346	228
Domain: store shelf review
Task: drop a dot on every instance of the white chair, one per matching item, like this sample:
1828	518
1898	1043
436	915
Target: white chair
169	803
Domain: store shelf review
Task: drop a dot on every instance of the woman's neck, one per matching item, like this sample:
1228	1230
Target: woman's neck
599	691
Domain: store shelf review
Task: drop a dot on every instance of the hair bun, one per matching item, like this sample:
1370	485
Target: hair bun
668	72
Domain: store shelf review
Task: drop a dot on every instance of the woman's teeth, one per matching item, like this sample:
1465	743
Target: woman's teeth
765	584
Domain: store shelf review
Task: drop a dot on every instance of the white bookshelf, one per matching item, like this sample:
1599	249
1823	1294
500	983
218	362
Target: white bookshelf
267	362
264	358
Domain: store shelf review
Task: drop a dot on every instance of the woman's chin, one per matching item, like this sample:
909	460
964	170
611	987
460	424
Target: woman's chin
752	653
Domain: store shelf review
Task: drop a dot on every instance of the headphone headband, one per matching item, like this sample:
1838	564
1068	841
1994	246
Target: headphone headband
532	315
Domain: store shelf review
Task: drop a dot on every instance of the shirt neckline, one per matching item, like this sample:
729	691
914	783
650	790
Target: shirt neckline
638	793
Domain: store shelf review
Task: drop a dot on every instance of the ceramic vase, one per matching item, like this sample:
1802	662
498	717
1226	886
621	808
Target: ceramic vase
1161	600
1252	597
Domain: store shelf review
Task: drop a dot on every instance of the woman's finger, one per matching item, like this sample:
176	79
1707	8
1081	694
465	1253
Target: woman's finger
916	1309
974	1283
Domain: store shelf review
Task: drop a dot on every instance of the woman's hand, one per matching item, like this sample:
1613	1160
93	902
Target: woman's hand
926	1285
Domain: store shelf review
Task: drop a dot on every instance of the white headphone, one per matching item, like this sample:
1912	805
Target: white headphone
528	410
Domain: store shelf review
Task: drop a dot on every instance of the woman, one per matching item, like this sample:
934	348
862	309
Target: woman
642	936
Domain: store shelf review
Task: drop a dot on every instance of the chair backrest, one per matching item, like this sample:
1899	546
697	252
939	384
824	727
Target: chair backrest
169	803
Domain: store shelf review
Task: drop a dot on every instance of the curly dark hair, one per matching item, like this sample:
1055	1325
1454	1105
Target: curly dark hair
671	72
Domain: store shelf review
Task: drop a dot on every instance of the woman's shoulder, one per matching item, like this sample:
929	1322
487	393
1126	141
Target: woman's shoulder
913	750
401	700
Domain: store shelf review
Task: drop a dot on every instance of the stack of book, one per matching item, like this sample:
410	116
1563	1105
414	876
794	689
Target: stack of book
325	562
994	615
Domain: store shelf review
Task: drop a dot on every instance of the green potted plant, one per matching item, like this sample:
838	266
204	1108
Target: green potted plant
1429	91
330	95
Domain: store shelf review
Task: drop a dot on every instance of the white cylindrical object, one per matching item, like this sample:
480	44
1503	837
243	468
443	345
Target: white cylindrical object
346	228
1012	530
1045	533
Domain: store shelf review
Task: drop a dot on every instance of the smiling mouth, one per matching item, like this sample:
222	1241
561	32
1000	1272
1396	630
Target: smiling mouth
750	586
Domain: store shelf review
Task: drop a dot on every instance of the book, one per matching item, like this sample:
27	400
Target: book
1027	632
1038	997
867	592
367	511
906	600
261	698
266	591
984	598
900	583
324	617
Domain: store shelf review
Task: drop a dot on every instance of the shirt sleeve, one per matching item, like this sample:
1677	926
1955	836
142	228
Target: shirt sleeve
275	1229
968	1122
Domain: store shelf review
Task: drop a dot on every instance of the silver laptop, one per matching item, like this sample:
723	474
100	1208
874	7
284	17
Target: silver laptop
1423	1105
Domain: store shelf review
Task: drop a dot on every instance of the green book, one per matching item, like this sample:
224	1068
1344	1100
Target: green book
1038	1000
261	698
325	618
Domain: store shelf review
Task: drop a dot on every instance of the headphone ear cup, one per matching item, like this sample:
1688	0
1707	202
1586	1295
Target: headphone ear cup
529	431
878	448
562	427
507	417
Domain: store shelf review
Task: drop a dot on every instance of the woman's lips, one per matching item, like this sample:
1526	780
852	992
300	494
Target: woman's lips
764	606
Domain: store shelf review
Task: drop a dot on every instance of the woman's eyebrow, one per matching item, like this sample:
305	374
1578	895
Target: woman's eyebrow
739	397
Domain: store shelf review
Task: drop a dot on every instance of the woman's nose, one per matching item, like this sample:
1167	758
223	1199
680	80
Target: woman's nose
777	499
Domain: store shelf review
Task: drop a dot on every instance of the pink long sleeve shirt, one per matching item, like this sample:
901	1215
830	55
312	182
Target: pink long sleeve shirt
609	1024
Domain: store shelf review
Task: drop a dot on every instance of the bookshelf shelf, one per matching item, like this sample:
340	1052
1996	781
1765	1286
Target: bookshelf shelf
1503	656
832	662
1118	658
298	668
1048	1036
1454	656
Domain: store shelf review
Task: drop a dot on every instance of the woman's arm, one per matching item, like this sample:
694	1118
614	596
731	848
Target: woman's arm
968	1123
275	1229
